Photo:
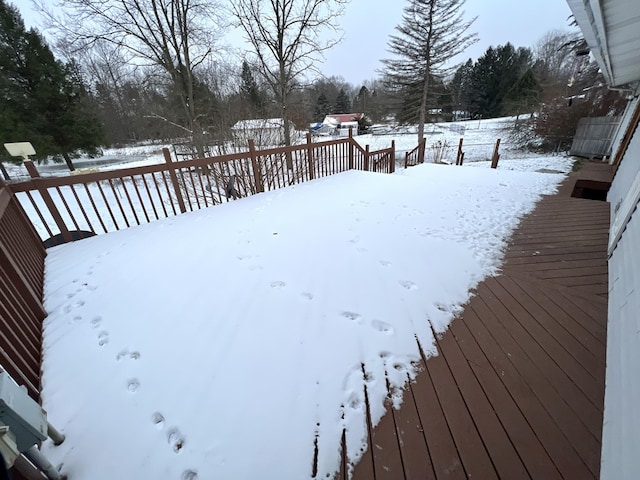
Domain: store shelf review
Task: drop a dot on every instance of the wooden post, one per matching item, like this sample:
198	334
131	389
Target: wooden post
421	150
310	156
351	140
174	179
461	158
44	193
460	154
393	157
366	158
496	155
257	172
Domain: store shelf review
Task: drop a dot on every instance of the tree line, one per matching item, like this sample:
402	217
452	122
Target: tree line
156	70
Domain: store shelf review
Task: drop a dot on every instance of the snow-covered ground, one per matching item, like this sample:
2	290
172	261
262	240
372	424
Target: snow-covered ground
479	138
222	343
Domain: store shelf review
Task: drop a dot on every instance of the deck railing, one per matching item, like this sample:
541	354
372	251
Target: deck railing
21	283
415	156
101	202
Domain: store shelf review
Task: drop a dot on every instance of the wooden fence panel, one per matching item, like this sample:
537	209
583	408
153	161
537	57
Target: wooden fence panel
593	137
21	286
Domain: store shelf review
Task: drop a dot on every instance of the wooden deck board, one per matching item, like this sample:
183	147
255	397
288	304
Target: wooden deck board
517	387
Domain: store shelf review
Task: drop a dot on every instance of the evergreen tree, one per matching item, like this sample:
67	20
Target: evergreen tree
524	96
362	99
343	104
250	90
322	108
493	76
44	101
432	32
457	88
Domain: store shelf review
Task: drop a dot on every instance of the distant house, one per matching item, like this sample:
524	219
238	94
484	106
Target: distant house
265	132
341	123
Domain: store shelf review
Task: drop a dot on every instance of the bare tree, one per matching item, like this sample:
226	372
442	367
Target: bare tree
432	33
287	41
175	35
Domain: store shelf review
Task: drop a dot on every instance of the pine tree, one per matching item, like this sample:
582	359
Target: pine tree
250	90
322	108
432	32
44	101
493	76
362	99
343	104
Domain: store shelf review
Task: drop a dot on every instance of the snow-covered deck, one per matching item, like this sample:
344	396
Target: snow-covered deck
266	337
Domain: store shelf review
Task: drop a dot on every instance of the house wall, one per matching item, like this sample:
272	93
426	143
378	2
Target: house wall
621	429
626	118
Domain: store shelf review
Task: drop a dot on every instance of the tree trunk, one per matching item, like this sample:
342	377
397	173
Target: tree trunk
68	161
5	174
423	108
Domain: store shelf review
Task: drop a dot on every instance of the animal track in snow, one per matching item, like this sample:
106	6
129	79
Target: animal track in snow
133	385
103	338
77	318
96	321
176	440
408	284
307	295
382	327
127	354
351	316
278	284
385	263
158	420
189	475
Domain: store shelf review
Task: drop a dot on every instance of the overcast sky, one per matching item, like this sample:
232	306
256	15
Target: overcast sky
367	25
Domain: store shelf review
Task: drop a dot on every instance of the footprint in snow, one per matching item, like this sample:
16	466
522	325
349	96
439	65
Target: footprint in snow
124	354
354	317
189	475
408	285
103	338
382	327
96	321
176	440
385	263
278	284
133	385
158	420
307	295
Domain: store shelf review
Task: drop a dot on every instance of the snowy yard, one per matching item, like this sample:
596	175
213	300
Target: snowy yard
222	343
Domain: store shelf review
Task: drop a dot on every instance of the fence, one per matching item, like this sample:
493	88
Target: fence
100	202
437	152
21	284
594	136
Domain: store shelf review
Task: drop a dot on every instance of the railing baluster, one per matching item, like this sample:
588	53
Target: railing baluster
115	194
84	213
106	202
95	209
39	213
153	205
